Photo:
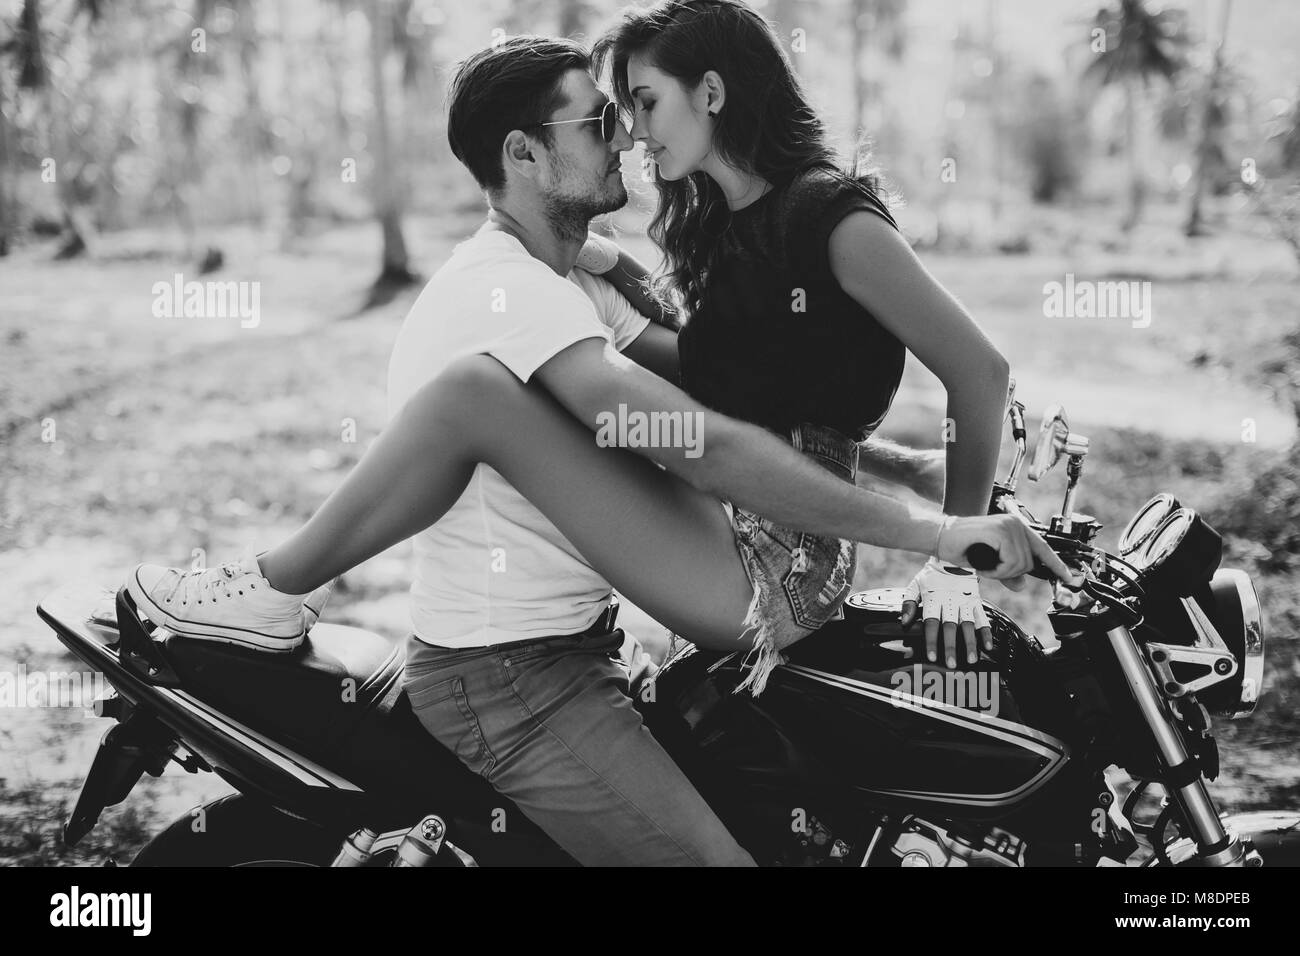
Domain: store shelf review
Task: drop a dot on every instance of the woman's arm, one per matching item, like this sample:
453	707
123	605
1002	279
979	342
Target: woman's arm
876	267
629	276
656	349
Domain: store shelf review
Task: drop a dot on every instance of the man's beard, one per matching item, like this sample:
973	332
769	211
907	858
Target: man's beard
569	210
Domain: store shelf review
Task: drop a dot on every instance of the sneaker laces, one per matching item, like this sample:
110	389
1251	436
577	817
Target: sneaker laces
195	585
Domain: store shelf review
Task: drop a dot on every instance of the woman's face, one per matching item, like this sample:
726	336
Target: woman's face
672	121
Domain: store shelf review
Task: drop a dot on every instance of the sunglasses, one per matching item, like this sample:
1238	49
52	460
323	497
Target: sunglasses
609	118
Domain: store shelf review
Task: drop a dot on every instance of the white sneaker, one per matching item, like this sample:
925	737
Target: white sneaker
233	604
315	603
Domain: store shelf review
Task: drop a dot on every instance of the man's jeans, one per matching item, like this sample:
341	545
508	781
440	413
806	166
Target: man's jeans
551	725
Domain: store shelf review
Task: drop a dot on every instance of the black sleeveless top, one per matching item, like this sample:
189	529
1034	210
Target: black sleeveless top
776	341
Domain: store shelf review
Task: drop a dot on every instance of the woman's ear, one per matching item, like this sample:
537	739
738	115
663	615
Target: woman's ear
715	92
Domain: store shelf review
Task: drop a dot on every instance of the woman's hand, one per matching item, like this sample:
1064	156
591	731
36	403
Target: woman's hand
598	255
949	600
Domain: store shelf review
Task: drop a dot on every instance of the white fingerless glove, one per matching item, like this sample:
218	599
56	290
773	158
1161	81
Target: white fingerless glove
598	255
947	593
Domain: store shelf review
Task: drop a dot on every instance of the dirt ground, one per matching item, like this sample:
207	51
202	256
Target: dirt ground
177	434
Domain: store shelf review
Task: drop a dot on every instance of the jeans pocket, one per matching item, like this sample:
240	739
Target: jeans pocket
820	578
444	710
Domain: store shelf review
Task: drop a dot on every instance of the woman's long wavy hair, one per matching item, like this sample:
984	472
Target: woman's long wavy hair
767	126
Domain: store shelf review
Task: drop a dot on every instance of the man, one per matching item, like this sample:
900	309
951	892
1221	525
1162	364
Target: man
510	664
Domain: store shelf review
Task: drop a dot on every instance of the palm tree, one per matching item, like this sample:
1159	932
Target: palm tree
1139	44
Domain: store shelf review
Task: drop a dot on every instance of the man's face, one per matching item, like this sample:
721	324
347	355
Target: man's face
581	175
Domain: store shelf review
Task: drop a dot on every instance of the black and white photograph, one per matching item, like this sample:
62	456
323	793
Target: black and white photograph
674	433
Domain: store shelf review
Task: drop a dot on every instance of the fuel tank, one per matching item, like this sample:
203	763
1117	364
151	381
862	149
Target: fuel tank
856	713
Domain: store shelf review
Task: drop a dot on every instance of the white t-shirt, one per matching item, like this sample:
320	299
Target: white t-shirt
494	569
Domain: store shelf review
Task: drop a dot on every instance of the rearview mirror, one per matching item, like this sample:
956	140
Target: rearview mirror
1052	437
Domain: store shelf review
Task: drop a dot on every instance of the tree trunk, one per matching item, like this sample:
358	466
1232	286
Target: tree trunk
572	14
857	10
8	161
1210	129
77	229
253	127
1136	188
394	268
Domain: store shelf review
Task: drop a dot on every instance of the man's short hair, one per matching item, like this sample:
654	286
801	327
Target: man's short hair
512	85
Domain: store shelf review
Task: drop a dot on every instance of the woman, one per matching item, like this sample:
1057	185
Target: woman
730	196
803	297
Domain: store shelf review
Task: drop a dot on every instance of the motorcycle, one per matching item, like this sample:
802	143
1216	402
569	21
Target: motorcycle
858	753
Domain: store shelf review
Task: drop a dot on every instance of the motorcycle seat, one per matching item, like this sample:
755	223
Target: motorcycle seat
337	699
310	699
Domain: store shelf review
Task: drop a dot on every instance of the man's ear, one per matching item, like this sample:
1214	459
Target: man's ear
517	153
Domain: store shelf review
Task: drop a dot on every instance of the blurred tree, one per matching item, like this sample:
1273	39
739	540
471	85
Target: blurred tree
574	16
28	49
1138	44
1288	136
873	23
253	133
8	161
1209	149
394	270
1045	136
195	68
417	28
526	16
1277	197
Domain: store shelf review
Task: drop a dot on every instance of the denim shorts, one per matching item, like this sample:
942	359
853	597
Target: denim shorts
800	580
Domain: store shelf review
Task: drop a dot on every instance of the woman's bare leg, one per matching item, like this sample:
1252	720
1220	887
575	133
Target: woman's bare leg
665	545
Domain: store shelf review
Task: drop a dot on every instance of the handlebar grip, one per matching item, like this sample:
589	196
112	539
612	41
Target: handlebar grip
983	557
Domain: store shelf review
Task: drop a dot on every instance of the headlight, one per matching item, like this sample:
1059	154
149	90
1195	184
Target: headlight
1237	617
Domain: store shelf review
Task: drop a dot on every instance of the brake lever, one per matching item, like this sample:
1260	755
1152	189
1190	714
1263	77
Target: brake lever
984	557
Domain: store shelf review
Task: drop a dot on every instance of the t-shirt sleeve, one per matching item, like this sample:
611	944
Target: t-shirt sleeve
816	205
534	318
613	309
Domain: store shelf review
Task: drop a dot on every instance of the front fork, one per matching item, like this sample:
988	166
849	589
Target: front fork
418	846
1183	779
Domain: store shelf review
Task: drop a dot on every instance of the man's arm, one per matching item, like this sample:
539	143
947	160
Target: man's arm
731	459
920	470
629	277
758	471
